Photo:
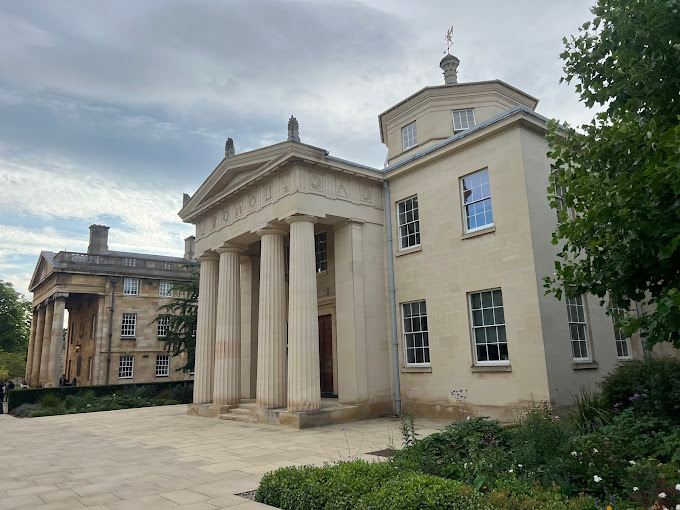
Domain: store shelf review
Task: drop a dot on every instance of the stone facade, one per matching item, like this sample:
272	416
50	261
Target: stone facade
99	289
474	329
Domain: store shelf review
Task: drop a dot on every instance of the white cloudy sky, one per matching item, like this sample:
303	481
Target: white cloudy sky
110	110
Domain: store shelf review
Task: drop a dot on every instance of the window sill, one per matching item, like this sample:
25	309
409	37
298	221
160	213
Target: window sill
322	273
624	361
584	365
479	232
491	368
128	338
415	370
406	251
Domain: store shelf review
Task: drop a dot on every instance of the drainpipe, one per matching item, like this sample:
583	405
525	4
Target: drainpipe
114	281
393	305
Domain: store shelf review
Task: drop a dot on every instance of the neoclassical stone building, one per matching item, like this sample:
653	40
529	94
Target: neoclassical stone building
112	297
419	284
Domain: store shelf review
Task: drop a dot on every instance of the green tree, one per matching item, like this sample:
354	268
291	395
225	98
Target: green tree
619	175
13	363
180	312
15	320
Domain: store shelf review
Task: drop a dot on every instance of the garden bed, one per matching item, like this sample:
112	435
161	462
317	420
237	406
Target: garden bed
619	450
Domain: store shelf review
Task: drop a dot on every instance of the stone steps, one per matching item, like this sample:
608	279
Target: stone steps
240	412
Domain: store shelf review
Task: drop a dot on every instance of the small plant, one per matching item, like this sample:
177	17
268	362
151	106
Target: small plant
408	428
589	413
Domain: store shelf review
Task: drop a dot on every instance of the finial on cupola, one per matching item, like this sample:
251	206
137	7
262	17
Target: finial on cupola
229	148
293	130
449	64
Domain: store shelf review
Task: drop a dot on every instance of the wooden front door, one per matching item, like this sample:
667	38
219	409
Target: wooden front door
326	354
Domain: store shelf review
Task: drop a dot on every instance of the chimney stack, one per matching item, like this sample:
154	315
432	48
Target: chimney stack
189	248
99	239
449	64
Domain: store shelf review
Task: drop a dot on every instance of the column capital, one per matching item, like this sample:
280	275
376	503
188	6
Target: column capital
230	247
272	230
60	295
208	255
301	217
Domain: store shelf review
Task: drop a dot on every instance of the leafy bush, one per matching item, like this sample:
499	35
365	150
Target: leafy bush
465	451
50	401
336	487
541	444
415	491
656	382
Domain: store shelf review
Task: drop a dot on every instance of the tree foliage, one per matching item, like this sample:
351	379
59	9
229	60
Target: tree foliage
619	175
181	312
15	320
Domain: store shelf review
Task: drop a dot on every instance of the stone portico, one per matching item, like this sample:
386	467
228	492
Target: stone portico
292	287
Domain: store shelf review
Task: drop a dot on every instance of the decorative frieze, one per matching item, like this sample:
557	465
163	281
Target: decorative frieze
297	179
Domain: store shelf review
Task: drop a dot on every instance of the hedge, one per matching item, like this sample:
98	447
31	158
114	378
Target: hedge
19	396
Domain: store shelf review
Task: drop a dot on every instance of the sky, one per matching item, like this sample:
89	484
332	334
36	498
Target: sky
110	110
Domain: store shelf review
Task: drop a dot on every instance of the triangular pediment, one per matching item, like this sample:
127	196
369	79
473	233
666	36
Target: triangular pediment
45	266
236	171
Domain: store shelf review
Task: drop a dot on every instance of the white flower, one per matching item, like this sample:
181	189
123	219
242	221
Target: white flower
594	450
509	470
677	507
662	495
635	489
465	465
597	479
574	454
519	465
631	462
677	487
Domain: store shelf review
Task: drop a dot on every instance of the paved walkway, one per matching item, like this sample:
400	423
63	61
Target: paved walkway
158	458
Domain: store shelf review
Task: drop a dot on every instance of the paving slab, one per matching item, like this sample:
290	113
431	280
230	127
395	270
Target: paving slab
160	457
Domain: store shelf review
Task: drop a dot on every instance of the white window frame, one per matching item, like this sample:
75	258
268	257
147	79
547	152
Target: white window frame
321	255
408	220
131	286
478	195
163	365
409	136
126	367
492	319
463	123
163	326
620	338
408	329
165	289
129	328
577	315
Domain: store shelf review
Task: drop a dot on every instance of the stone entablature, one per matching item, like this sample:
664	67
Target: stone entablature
123	264
249	200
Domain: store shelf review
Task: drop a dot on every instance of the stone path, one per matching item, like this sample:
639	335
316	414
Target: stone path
158	458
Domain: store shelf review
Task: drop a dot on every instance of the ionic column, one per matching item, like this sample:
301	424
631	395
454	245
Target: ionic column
37	349
46	340
304	385
204	368
227	388
56	361
31	346
271	328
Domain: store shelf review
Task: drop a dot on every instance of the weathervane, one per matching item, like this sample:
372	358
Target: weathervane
449	40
